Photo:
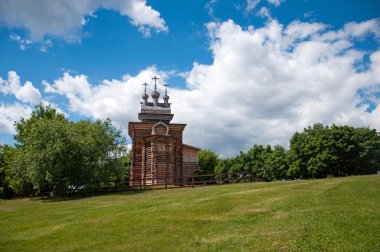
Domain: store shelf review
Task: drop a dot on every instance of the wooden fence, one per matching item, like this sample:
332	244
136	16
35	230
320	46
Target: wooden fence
182	181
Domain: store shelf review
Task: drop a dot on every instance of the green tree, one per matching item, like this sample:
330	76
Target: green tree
275	164
57	156
255	160
322	151
39	113
223	165
7	154
265	163
207	160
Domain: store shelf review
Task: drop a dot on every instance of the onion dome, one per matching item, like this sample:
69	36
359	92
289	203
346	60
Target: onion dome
155	94
145	96
166	97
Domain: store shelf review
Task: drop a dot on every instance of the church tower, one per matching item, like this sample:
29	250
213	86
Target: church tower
158	154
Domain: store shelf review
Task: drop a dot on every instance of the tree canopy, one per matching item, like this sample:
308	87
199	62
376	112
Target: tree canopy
317	152
6	155
207	160
322	151
57	156
267	163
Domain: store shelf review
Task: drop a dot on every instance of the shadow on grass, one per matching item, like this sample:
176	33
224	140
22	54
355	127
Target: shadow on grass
85	195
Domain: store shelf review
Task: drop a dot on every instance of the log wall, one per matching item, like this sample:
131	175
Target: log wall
156	159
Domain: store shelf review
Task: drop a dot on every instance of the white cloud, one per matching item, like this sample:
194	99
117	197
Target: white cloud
140	14
355	30
209	6
23	43
45	45
116	99
276	2
264	13
299	30
265	84
9	114
65	18
70	85
251	5
262	86
26	93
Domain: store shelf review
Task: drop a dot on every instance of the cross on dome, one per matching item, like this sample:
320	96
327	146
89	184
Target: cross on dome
145	84
166	88
155	97
155	78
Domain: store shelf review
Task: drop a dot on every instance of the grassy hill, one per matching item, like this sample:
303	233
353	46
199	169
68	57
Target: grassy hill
341	214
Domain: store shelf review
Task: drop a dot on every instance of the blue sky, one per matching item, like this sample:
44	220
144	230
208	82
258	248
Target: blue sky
240	72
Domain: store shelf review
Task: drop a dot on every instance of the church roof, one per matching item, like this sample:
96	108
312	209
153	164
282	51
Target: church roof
160	108
155	110
190	147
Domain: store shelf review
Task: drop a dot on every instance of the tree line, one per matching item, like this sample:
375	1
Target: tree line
54	156
318	152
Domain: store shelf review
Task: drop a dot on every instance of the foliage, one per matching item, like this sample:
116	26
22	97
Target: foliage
322	151
57	156
207	160
7	154
338	214
317	152
125	161
275	165
24	126
265	163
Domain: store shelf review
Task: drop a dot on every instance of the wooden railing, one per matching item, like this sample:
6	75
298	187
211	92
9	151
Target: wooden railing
178	182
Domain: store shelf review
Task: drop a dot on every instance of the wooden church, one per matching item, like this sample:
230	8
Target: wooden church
158	154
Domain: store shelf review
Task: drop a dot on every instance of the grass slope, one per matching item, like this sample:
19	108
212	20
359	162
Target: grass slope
341	214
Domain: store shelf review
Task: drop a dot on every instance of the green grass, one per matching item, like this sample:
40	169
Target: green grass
341	214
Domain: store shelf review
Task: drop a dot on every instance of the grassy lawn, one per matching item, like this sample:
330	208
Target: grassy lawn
341	214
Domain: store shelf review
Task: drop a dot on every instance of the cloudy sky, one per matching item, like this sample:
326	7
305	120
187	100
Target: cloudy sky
241	72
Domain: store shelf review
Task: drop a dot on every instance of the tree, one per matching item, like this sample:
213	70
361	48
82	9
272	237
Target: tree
322	151
58	156
7	154
207	160
317	152
39	113
255	159
275	164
